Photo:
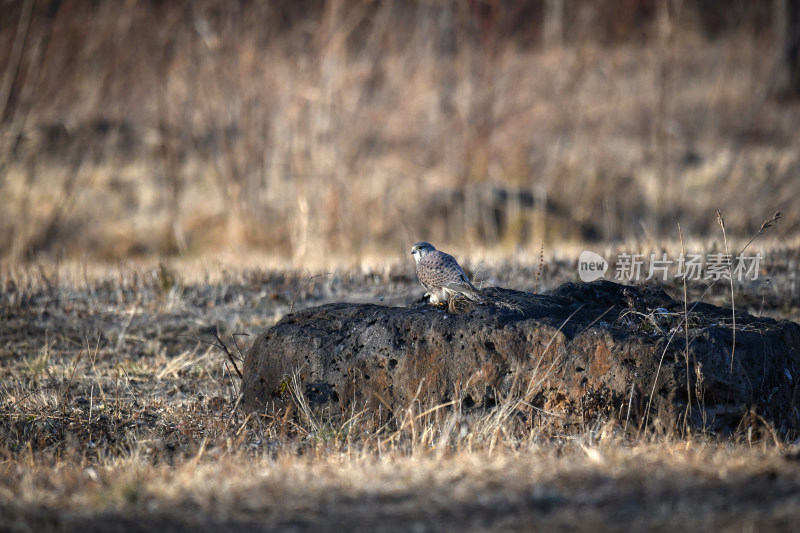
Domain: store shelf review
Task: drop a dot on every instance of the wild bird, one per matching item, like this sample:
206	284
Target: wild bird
441	275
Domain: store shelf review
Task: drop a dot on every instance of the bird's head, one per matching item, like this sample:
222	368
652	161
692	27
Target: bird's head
421	249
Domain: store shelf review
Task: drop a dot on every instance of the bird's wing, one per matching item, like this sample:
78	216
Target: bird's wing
461	287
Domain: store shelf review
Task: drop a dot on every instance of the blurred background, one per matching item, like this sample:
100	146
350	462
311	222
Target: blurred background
350	129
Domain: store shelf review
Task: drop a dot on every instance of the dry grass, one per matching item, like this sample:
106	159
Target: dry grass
644	487
113	412
350	133
251	149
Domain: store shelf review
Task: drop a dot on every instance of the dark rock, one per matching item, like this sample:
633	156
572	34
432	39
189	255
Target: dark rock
583	354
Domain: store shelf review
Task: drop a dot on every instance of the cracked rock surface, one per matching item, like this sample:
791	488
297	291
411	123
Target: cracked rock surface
581	354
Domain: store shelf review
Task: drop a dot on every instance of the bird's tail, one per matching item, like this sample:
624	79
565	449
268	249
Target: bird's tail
472	293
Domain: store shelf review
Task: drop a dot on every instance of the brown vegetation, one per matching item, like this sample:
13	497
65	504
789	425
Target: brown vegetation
343	131
114	411
334	134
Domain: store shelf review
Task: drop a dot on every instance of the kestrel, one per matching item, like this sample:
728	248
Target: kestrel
441	275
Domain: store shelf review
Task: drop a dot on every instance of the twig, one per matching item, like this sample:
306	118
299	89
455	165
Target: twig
219	344
233	413
92	359
124	330
687	415
539	269
630	403
233	336
309	280
68	384
721	222
767	224
224	348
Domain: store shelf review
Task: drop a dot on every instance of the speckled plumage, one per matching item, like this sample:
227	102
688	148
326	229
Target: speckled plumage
441	274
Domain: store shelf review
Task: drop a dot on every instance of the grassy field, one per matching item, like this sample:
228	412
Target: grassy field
116	412
339	135
170	172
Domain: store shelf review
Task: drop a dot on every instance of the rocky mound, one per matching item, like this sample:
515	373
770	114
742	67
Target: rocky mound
581	354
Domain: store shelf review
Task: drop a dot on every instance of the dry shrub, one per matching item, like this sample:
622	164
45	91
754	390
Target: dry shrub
350	130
